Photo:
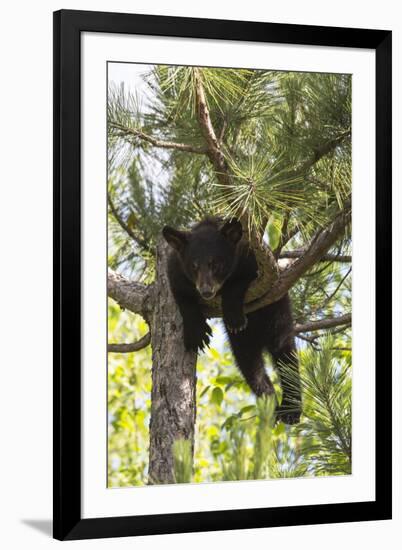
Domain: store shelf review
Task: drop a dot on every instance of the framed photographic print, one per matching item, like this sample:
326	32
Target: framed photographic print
214	184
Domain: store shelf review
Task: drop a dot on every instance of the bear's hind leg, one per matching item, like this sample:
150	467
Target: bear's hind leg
249	359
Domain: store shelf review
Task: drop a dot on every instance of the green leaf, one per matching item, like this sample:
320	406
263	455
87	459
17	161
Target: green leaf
217	396
279	429
215	354
218	447
274	234
247	409
227	425
223	380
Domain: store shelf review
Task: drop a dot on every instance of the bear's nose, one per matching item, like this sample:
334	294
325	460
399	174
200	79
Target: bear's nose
207	294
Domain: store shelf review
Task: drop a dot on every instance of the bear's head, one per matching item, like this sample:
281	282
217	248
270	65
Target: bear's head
207	253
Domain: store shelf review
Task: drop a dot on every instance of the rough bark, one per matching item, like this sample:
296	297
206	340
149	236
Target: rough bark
173	399
130	295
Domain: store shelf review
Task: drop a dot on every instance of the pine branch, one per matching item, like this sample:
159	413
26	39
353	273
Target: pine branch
322	151
130	295
329	298
312	340
143	244
322	324
298	253
320	244
128	348
268	268
127	131
204	120
258	296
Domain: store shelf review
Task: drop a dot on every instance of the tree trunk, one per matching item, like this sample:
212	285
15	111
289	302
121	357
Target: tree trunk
173	398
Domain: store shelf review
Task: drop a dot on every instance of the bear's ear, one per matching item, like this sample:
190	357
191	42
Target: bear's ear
176	239
232	230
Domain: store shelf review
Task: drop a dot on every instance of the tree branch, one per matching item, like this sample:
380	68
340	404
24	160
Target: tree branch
322	324
127	131
268	269
130	295
321	151
320	244
204	120
298	253
260	294
128	348
124	225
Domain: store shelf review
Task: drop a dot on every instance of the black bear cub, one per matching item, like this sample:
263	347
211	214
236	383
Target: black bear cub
211	259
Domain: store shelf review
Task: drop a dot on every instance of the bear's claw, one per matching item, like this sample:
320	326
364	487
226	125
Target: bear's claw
237	329
197	340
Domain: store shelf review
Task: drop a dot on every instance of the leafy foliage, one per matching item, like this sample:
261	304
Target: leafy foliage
236	437
327	408
251	446
129	387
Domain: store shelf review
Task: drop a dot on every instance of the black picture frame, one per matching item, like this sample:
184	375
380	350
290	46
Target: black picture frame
68	26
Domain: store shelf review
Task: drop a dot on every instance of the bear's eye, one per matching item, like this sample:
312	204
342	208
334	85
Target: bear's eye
194	265
215	265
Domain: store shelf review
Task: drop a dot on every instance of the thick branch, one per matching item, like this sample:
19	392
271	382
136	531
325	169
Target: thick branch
322	324
129	295
320	244
127	131
268	269
128	348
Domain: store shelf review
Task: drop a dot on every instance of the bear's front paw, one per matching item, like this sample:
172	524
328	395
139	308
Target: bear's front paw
236	324
195	340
